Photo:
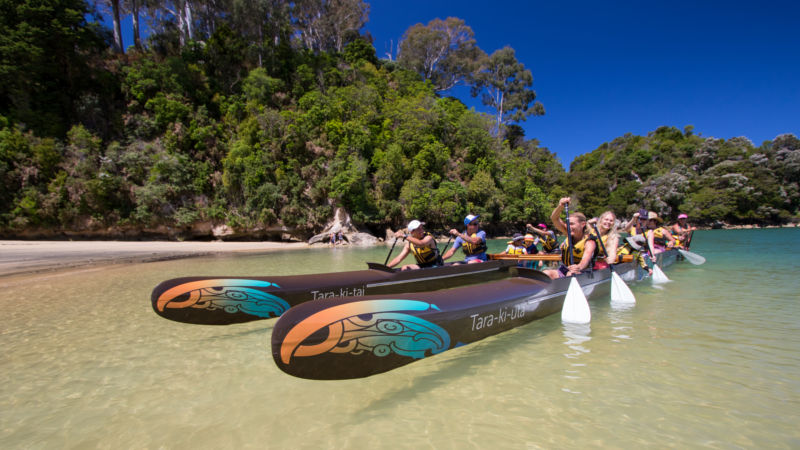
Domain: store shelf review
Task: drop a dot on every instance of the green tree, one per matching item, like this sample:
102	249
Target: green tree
47	54
442	51
505	85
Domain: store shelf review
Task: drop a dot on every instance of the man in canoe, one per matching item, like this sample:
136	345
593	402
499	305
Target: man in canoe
420	244
658	237
682	231
549	242
583	243
473	241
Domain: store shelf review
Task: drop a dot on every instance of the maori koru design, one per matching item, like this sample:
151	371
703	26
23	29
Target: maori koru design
229	295
375	326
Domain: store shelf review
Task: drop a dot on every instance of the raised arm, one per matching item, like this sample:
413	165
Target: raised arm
555	217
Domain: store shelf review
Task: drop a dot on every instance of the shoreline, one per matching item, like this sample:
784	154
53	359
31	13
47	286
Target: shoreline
22	258
32	258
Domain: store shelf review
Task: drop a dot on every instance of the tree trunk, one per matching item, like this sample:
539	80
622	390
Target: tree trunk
137	40
178	13
117	28
187	6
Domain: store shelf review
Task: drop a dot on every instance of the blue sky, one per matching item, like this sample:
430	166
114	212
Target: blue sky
605	69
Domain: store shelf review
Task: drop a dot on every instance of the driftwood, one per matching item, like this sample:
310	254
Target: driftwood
341	223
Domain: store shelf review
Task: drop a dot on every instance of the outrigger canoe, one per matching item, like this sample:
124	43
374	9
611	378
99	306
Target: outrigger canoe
356	337
228	300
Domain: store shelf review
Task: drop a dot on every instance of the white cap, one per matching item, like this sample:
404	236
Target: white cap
414	224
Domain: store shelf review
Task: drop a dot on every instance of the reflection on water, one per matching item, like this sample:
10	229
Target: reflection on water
712	359
576	336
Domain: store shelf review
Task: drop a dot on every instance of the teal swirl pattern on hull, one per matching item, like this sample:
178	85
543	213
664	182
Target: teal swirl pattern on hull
375	326
229	295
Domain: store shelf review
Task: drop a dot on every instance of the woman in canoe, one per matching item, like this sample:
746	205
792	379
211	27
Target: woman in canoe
583	243
682	231
658	237
419	243
473	241
606	225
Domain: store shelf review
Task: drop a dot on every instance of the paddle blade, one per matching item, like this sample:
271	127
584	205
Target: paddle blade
576	308
693	258
658	275
620	292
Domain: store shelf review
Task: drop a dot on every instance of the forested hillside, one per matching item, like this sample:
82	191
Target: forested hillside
265	116
713	180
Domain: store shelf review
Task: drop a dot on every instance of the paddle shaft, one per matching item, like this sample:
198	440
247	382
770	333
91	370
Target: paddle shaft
602	245
447	244
390	252
569	235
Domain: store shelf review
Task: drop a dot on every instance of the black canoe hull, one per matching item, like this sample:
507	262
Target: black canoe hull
362	336
229	300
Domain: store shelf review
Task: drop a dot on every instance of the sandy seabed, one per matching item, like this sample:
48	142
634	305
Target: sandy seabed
33	257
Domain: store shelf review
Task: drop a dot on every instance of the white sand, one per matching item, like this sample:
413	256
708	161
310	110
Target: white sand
26	257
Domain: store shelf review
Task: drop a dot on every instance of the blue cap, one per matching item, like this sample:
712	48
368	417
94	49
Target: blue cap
470	218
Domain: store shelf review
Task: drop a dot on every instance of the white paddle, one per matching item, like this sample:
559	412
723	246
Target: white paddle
693	258
576	308
620	292
658	275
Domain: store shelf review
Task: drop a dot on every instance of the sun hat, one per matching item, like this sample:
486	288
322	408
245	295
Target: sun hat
470	218
414	224
682	216
515	238
529	237
653	216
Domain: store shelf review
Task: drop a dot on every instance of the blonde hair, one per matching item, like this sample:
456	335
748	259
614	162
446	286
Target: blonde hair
612	232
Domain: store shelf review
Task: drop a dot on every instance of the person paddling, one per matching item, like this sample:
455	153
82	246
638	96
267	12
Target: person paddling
549	242
682	231
606	225
658	237
473	241
419	243
638	225
583	243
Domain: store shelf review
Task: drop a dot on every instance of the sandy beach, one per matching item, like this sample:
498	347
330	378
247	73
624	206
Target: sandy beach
31	257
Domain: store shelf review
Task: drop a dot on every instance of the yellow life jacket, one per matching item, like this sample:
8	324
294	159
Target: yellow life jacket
424	254
549	243
635	231
577	249
659	238
514	250
473	249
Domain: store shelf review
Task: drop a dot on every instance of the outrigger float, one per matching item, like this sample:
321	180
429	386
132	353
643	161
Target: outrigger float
354	337
229	300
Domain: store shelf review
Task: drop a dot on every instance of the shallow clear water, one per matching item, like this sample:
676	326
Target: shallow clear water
711	359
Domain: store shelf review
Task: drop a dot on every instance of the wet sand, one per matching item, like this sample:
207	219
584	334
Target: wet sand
31	257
